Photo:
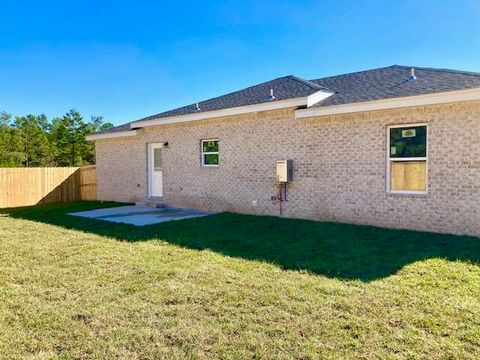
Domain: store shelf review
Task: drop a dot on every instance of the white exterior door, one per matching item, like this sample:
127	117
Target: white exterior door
155	174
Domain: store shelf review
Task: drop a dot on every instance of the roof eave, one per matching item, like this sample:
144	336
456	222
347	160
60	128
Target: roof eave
393	103
265	106
112	135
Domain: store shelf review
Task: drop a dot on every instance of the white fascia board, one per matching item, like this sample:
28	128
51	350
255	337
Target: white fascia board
394	103
273	105
317	97
112	135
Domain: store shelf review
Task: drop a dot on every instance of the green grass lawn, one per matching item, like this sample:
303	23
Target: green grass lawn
232	286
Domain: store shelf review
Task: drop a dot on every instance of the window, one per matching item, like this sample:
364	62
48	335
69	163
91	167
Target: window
210	152
407	159
157	159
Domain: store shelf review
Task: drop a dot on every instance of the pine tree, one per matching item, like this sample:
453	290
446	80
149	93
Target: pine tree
95	124
32	141
9	156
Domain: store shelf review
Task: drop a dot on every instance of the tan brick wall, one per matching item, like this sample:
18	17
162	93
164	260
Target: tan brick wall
339	167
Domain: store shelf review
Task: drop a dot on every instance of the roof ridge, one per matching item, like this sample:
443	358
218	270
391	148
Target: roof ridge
453	71
353	72
307	82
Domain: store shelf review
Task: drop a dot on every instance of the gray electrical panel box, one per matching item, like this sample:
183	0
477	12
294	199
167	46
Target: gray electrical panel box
285	170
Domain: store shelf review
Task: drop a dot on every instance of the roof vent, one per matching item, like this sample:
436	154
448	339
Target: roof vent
197	107
271	97
412	76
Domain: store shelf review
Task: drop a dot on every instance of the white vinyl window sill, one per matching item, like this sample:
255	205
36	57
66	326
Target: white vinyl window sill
400	192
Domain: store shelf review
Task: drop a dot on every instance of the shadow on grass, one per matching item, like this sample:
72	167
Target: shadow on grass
335	250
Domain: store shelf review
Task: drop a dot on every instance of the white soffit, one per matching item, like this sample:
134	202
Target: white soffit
112	135
394	103
266	106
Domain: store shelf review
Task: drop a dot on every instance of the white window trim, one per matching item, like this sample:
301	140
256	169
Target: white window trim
209	153
390	160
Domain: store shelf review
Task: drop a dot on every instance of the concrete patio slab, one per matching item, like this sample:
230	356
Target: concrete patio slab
140	215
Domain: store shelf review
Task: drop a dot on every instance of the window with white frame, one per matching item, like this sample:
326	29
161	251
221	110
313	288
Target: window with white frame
210	153
407	158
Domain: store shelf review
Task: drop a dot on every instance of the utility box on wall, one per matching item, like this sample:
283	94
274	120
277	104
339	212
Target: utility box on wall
285	170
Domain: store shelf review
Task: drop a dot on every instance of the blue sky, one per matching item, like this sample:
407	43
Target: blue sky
129	59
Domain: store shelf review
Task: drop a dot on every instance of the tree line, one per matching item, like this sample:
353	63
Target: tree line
34	141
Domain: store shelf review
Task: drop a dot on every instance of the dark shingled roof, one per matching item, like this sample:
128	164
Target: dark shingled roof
287	87
392	81
376	84
124	127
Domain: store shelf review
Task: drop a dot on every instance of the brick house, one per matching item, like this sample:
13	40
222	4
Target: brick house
394	147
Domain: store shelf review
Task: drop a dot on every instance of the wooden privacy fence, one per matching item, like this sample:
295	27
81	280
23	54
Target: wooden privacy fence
88	182
31	186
